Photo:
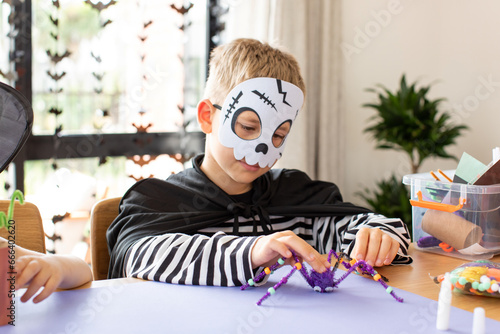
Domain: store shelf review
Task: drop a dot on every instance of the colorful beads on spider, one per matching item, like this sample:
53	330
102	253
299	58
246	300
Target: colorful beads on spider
271	290
267	270
298	265
377	277
389	289
251	282
281	261
353	262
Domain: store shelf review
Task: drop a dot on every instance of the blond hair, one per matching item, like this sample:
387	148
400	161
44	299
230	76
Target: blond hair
243	59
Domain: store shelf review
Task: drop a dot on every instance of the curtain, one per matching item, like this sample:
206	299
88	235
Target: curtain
310	30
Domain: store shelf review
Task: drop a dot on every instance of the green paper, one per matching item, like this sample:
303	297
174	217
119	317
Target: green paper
468	169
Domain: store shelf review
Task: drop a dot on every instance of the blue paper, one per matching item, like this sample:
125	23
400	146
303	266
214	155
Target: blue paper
358	305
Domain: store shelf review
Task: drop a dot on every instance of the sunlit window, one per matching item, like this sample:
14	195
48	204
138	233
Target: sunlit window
102	68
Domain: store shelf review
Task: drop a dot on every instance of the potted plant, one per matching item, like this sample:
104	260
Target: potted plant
408	121
7	261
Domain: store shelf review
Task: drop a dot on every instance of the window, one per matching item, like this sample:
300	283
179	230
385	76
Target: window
114	87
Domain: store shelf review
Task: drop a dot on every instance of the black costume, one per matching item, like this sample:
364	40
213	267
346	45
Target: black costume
162	222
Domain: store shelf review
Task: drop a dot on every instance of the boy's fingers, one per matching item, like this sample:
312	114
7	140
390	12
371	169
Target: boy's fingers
267	249
280	248
385	248
29	270
374	242
21	263
361	244
37	278
305	251
35	285
392	252
49	287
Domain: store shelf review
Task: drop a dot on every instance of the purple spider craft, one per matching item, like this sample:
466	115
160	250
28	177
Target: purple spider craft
324	282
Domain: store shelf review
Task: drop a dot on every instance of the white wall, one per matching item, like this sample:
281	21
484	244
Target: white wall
456	42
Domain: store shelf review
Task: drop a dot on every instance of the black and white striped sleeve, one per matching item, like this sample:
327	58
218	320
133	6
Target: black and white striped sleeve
339	233
219	260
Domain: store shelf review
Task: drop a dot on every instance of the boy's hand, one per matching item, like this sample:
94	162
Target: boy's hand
374	246
38	271
268	249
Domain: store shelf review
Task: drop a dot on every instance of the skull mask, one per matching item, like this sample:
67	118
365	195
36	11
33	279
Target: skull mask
256	117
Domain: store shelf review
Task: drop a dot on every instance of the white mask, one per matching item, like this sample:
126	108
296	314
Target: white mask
251	115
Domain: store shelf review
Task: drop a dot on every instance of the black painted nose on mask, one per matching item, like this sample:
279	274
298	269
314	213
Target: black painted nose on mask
261	148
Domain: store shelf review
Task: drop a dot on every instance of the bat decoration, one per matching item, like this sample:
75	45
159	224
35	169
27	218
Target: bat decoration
54	36
97	58
141	161
185	124
184	26
55	111
98	76
102	160
58	129
57	219
55	3
182	10
54	237
142	128
321	282
56	91
98	90
147	24
99	5
104	24
56	58
54	21
143	38
181	109
55	76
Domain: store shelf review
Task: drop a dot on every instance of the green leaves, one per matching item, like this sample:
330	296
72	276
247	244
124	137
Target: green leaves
390	199
408	121
5	219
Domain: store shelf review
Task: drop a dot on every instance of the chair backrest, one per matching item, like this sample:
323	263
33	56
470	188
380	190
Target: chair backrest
28	226
103	214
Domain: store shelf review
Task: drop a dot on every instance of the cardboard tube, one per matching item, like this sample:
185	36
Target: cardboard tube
451	229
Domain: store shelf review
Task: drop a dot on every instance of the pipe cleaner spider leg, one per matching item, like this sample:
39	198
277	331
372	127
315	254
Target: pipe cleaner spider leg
321	282
365	269
270	270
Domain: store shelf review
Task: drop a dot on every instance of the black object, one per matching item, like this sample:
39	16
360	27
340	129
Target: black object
16	121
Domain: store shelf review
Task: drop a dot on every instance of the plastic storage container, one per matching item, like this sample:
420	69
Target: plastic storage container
454	219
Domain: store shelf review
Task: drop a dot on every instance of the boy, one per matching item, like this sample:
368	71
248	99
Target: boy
220	221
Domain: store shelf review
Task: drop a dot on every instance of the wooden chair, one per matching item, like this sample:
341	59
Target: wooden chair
103	214
28	226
